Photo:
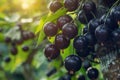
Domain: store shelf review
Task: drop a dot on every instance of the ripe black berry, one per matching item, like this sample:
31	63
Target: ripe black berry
71	5
63	20
61	42
65	77
116	36
55	5
89	7
69	30
92	73
93	24
90	39
51	51
50	29
86	64
81	77
7	59
82	17
72	63
7	39
83	52
85	29
102	34
80	42
25	48
14	50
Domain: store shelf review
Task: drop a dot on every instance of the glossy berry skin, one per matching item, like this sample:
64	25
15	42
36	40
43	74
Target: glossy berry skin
102	34
71	5
90	39
25	48
50	29
72	63
61	42
116	35
14	50
81	77
55	5
66	77
62	20
85	29
7	39
80	42
69	30
83	52
92	73
51	51
7	59
86	64
93	24
82	17
89	7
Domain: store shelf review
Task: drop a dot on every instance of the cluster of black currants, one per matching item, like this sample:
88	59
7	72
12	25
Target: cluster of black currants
25	35
100	29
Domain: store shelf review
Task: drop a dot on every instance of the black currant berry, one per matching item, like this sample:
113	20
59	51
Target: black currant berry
85	29
51	72
89	7
19	42
7	59
63	20
50	29
116	36
86	64
102	34
31	35
14	50
93	24
51	51
92	73
7	39
81	77
25	48
72	63
90	39
65	77
69	30
61	42
80	42
71	5
83	52
25	35
82	17
55	5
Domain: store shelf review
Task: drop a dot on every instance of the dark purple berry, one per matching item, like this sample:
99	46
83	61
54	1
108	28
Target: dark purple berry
89	7
71	5
63	20
102	34
25	48
55	5
51	51
69	30
14	50
116	36
92	73
7	59
81	77
86	64
61	42
50	29
82	17
83	52
7	39
93	24
85	29
80	43
72	63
